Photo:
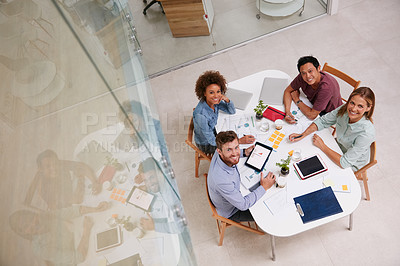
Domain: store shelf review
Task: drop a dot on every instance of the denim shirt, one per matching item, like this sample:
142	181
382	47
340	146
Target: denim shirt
205	119
354	139
224	188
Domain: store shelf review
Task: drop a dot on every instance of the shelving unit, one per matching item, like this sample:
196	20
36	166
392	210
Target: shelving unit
279	8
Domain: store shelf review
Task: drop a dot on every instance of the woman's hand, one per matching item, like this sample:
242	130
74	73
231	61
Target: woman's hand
224	98
295	137
317	141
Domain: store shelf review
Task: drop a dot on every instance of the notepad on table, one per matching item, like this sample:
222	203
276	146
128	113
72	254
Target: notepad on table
317	205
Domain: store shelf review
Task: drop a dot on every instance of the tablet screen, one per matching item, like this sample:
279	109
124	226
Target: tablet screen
259	156
310	166
108	238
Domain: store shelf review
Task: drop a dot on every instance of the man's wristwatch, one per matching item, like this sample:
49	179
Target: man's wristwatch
299	101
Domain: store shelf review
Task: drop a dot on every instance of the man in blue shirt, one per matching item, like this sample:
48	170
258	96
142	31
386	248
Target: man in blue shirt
224	180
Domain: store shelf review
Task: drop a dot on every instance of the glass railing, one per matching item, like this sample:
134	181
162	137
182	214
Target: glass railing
85	168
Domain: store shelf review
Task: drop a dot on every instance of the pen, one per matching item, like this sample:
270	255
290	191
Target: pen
252	121
299	136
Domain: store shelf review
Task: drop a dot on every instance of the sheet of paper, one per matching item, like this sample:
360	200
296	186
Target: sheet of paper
277	202
338	183
129	247
153	250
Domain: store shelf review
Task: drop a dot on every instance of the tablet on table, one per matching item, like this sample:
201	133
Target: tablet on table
310	166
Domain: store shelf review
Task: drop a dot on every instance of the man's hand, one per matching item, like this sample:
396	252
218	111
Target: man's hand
295	95
139	178
248	139
268	181
147	223
290	118
248	151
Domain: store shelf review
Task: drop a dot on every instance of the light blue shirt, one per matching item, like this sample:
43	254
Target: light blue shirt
354	139
224	188
205	119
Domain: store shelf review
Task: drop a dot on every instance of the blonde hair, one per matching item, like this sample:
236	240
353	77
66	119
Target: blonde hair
368	95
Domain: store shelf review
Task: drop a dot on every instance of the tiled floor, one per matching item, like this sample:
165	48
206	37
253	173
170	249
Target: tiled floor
234	22
363	40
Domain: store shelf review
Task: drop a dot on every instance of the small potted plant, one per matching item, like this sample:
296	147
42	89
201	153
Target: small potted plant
260	109
284	165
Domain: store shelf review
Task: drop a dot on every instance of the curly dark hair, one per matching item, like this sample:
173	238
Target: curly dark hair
206	79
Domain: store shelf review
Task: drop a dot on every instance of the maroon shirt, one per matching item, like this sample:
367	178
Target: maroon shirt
324	99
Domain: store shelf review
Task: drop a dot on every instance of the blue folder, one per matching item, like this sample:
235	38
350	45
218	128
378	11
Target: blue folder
317	205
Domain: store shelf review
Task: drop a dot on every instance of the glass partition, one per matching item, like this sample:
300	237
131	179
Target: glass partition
86	173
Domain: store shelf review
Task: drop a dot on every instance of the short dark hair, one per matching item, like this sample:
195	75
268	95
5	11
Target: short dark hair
206	79
225	137
45	154
307	59
147	165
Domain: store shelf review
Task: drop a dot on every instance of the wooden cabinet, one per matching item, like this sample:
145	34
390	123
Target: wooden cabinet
189	17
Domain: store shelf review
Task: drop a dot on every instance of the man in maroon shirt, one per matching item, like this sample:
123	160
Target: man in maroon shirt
320	88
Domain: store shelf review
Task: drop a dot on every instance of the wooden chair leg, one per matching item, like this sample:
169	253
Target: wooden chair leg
221	237
197	164
365	181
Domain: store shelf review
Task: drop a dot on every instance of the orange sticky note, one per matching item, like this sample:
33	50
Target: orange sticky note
273	136
279	138
282	135
112	196
344	187
271	139
114	190
290	153
276	132
275	146
277	142
122	192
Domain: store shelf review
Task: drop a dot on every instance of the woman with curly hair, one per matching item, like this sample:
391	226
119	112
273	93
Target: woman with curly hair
354	130
210	90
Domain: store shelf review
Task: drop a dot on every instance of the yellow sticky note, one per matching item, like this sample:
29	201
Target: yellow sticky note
271	139
275	146
344	187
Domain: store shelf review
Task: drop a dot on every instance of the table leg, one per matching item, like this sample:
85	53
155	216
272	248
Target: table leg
273	247
351	221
